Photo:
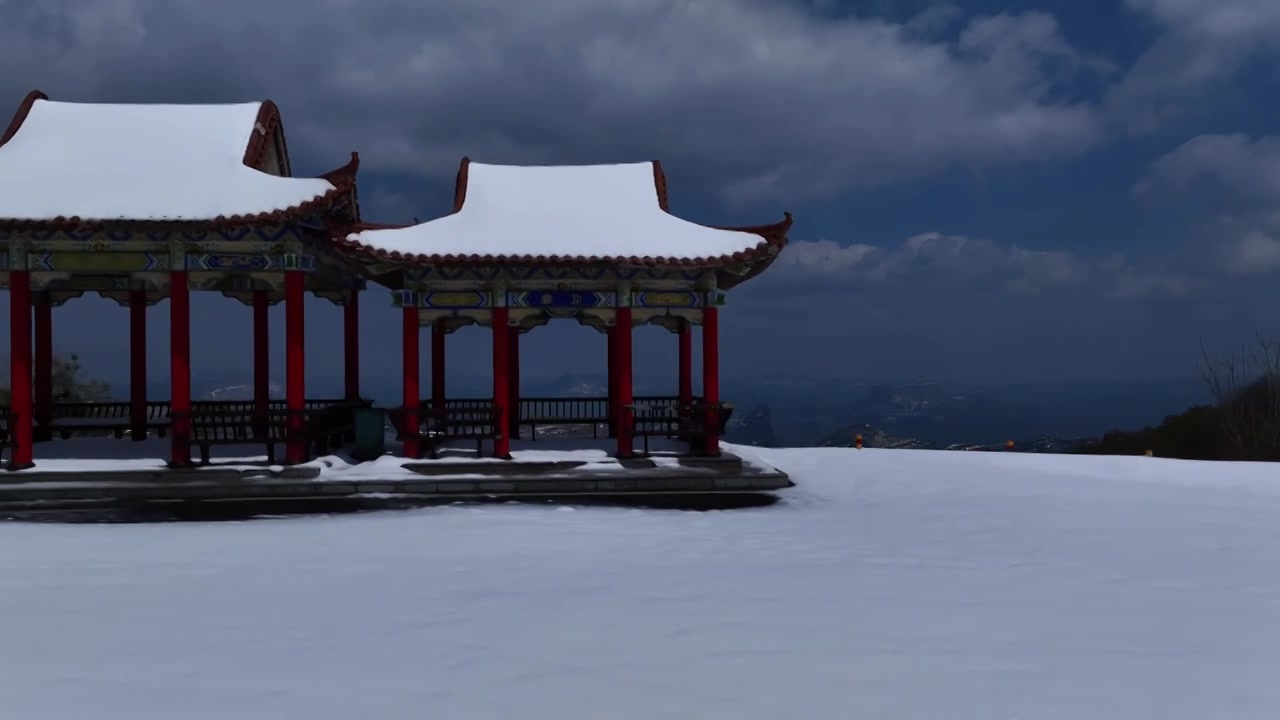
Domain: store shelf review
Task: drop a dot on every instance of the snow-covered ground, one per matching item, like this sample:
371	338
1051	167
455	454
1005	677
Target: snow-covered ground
889	584
79	457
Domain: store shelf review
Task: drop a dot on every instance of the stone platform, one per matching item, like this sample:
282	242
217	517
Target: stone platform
333	484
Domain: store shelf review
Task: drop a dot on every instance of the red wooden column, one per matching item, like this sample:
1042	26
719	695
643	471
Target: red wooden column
623	390
437	365
612	378
295	384
351	345
501	381
411	393
179	369
138	364
43	400
513	382
711	375
261	357
685	337
20	407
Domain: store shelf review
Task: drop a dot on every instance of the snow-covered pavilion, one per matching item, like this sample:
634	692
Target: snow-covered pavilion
145	202
594	243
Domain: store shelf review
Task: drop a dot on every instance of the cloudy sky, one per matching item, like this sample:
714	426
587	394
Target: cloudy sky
983	191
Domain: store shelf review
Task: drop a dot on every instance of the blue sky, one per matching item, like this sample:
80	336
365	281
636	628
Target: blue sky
983	191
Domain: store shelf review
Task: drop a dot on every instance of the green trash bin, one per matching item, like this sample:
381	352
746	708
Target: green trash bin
371	433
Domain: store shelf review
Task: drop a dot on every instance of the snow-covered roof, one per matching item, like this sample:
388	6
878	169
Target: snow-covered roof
574	212
143	162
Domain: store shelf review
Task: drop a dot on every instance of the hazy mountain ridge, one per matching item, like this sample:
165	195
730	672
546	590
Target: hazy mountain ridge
876	438
752	427
872	438
240	392
928	413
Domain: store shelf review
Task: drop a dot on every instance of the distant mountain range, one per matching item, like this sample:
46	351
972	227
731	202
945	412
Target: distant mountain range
752	427
926	413
798	411
875	438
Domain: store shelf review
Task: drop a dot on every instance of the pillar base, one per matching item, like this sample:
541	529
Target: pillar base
14	467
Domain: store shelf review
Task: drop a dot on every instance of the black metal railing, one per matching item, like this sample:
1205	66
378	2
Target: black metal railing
116	417
646	416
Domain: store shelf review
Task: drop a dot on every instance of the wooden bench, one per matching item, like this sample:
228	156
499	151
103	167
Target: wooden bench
688	423
324	427
78	418
473	421
71	419
563	411
209	427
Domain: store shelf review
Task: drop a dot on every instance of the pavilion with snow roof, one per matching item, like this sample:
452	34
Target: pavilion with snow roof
596	244
141	203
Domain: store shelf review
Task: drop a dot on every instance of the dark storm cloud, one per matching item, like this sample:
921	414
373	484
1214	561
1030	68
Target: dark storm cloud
952	306
761	99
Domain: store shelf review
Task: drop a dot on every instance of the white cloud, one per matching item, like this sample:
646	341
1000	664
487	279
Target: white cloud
1256	253
1239	173
1236	164
937	265
1203	43
822	256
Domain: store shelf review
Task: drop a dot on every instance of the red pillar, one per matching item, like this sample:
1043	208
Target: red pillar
437	365
611	380
138	365
261	357
296	450
711	375
20	410
623	390
501	381
351	345
412	396
685	338
179	369
513	382
44	363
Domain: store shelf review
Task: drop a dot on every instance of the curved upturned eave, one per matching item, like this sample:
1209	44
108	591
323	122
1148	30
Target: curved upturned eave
394	279
342	179
773	237
726	280
260	140
20	116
